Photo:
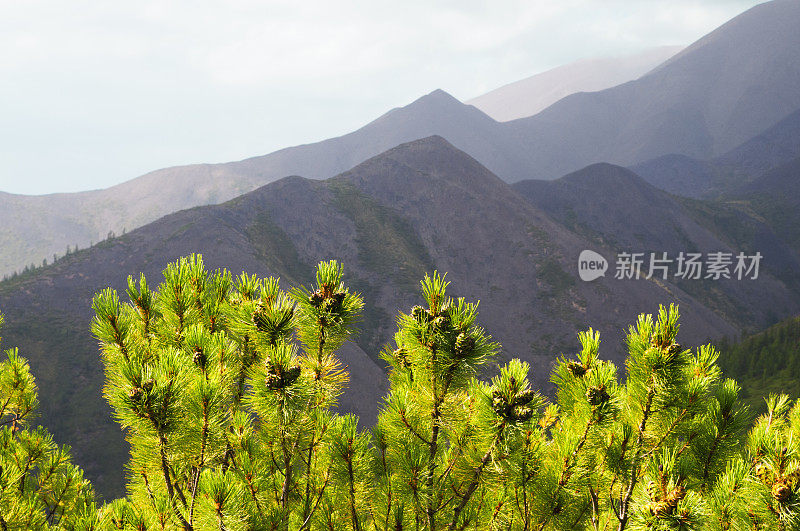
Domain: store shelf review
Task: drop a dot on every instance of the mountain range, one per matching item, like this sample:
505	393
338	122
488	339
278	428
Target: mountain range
419	207
721	91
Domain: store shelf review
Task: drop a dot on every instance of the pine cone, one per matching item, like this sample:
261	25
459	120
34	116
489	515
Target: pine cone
653	491
291	375
442	322
522	413
761	471
661	509
259	319
501	406
464	344
148	385
676	495
135	394
199	357
338	298
401	355
524	397
272	381
576	369
277	379
597	395
316	299
781	491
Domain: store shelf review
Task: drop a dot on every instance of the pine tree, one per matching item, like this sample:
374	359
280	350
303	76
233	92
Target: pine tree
229	419
227	389
39	486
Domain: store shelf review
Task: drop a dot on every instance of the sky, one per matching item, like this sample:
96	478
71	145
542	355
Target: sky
96	93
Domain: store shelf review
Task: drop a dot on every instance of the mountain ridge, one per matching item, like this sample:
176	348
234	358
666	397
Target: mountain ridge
679	107
422	206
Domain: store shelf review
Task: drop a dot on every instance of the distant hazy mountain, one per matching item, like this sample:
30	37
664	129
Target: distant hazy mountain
690	177
719	92
528	96
35	227
421	206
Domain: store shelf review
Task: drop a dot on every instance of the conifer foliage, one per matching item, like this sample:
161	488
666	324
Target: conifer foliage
226	388
39	485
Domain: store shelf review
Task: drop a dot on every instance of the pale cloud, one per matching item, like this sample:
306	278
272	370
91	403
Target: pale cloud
99	92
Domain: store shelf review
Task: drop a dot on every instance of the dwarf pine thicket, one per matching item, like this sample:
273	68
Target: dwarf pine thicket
225	388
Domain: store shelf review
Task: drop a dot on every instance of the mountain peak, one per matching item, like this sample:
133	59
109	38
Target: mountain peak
438	95
437	101
603	174
432	158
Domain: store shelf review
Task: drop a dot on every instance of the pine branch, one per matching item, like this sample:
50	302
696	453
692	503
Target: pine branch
411	428
569	463
168	483
623	515
351	485
196	469
473	483
433	445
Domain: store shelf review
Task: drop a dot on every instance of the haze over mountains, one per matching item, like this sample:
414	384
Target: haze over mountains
719	92
531	95
504	208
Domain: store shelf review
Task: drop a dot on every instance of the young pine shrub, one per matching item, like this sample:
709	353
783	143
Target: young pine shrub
227	416
40	488
227	387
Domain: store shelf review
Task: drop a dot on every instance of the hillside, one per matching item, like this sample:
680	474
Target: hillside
775	196
36	227
615	208
765	362
421	206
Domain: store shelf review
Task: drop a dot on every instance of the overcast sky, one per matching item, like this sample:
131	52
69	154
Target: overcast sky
95	93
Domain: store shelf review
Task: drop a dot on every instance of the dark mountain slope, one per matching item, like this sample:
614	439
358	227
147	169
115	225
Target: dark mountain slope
617	209
421	206
775	146
765	362
775	196
689	177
